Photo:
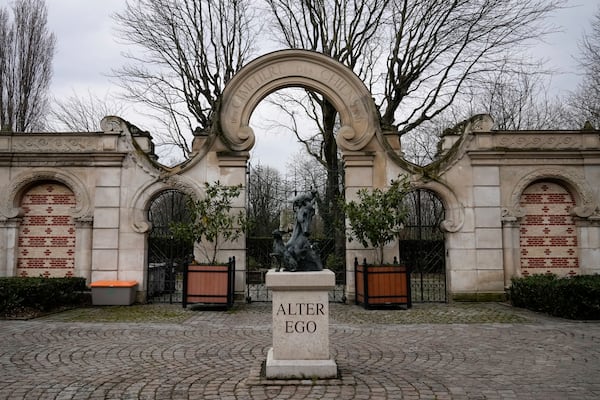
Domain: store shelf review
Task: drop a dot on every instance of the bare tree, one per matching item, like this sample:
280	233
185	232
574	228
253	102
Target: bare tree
415	56
439	47
348	32
266	197
517	99
189	50
419	146
585	101
26	53
83	113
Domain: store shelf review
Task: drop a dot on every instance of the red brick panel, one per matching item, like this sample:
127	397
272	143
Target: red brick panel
46	243
548	238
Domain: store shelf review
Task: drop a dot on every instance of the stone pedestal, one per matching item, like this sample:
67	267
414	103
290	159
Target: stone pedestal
300	325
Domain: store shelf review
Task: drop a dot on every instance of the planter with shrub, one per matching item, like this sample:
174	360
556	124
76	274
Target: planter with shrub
212	222
376	219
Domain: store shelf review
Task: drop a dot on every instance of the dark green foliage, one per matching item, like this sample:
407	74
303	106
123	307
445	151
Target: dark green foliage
378	216
259	250
576	297
212	220
42	294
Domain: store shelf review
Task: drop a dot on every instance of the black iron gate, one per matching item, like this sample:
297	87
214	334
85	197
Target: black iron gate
422	247
166	256
259	251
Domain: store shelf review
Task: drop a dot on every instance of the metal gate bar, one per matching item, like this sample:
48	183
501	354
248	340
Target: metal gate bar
166	256
256	291
422	247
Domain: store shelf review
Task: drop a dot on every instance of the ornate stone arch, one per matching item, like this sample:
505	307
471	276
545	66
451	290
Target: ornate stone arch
298	68
454	210
144	195
572	179
11	196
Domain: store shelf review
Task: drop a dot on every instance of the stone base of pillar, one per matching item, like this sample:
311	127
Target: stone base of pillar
299	369
300	325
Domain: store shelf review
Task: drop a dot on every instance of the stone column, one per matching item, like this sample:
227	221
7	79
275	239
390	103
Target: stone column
232	171
9	232
359	171
83	248
510	249
300	325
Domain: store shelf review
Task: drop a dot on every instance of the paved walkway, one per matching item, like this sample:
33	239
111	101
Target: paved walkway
381	355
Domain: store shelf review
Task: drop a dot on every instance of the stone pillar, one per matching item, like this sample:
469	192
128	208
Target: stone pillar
358	169
300	325
510	249
232	171
9	232
83	248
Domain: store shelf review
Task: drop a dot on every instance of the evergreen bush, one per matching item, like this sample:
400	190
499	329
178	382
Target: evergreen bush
41	294
576	297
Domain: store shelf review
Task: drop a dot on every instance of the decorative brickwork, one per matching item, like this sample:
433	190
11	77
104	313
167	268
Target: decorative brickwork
548	237
46	244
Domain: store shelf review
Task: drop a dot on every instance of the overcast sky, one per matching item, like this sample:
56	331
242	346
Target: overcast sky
87	49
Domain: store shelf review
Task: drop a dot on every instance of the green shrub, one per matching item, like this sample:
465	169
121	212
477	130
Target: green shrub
575	297
41	294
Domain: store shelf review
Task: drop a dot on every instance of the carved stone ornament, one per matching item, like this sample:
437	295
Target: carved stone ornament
298	68
480	123
112	124
513	213
55	144
584	211
542	141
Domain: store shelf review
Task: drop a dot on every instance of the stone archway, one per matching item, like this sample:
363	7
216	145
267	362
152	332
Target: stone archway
298	68
360	138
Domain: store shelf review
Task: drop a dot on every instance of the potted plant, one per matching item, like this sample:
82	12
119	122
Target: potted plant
211	223
375	220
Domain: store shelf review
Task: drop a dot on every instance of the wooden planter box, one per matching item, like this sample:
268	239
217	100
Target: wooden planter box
382	286
209	284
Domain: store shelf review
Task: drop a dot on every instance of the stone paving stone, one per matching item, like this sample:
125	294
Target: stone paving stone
457	351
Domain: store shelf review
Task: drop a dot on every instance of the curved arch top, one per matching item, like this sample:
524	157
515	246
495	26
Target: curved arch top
574	181
9	199
453	209
147	191
298	68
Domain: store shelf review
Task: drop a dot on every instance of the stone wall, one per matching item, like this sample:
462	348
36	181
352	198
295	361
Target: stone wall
516	203
498	223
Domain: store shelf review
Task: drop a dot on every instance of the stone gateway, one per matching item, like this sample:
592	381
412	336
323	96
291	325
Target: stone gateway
515	202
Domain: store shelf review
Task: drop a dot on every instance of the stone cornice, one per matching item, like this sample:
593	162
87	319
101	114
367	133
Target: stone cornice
61	159
58	142
533	157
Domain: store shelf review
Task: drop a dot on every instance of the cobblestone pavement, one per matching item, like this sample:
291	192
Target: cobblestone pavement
428	352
